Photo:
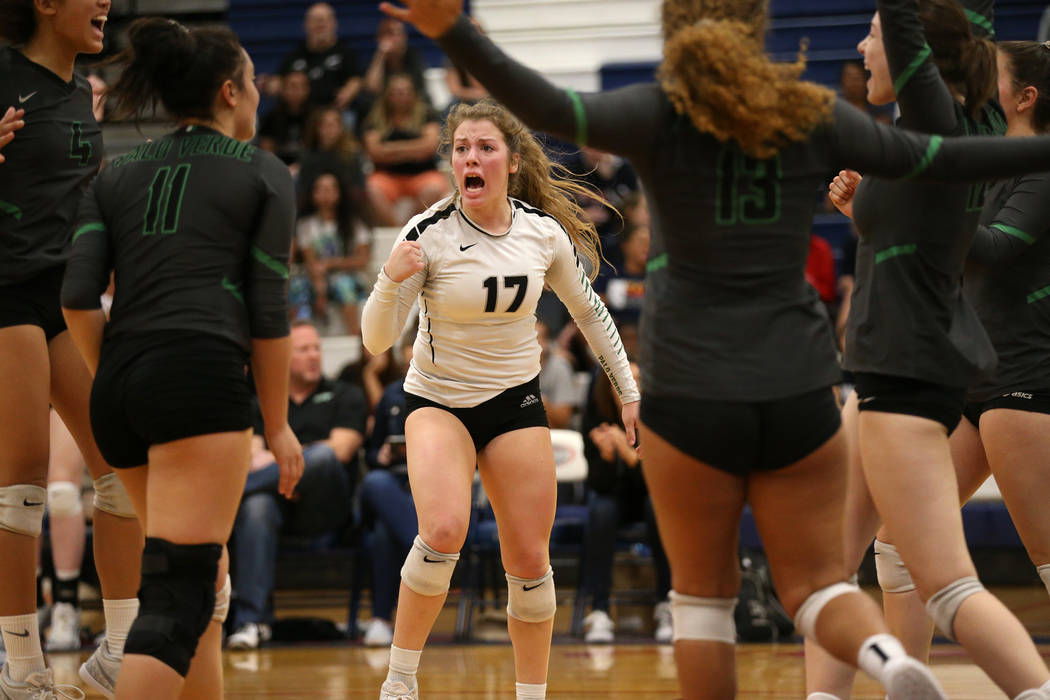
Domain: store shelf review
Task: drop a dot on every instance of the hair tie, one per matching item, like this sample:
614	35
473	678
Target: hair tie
178	25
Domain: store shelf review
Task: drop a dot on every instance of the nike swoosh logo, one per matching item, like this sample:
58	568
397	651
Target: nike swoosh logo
26	502
466	247
527	588
22	100
25	633
432	561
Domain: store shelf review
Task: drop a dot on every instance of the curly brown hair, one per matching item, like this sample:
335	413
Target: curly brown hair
548	186
716	72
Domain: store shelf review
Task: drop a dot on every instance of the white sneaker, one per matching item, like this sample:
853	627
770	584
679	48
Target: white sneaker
598	628
396	690
64	633
906	678
378	633
249	636
38	686
664	630
101	670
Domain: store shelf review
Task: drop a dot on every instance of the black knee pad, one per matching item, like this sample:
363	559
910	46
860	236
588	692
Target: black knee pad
176	601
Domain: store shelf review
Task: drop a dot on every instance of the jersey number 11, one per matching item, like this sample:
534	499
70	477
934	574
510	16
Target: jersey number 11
160	210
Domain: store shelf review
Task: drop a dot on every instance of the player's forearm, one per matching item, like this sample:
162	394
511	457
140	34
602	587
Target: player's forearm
270	363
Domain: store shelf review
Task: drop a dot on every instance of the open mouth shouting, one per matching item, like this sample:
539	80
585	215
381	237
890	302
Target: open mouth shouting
473	184
98	24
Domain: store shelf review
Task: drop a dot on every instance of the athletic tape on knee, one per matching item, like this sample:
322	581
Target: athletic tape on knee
1044	574
426	570
22	509
111	497
806	617
944	604
222	601
176	601
890	570
63	500
702	619
532	599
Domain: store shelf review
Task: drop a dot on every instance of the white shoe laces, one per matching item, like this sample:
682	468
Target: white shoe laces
42	684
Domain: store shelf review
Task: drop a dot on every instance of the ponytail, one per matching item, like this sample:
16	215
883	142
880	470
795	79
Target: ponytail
181	69
967	63
17	21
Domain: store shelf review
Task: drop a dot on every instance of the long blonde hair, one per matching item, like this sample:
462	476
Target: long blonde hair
547	186
716	72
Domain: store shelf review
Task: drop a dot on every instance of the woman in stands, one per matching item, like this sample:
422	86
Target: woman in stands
1004	430
736	352
477	263
196	226
52	148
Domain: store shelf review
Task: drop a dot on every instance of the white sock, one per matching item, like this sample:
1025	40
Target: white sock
64	575
822	696
403	666
875	651
531	691
1044	573
120	614
1031	694
22	640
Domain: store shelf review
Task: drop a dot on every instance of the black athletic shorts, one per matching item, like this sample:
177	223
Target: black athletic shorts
156	388
1037	401
741	437
516	408
912	397
34	302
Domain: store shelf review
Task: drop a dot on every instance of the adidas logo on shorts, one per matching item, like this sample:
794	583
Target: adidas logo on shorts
529	401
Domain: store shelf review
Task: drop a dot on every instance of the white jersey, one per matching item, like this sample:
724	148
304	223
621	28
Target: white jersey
477	297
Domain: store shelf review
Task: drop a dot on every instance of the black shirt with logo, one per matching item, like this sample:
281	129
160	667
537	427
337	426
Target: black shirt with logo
328	70
331	405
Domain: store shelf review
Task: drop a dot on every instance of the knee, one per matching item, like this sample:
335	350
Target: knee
428	571
444	533
808	610
943	605
529	563
22	509
320	456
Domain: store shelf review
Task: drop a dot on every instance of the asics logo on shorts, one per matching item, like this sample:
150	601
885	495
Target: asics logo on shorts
529	401
1021	395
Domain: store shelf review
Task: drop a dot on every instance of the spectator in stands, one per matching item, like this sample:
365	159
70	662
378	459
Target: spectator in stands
328	418
557	383
332	67
853	87
614	179
282	130
624	288
333	252
387	500
331	148
616	496
402	134
394	56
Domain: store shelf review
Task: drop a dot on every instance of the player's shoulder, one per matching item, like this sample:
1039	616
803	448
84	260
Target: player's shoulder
439	215
526	214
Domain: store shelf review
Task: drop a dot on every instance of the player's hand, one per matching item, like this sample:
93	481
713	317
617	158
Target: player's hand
406	259
431	17
630	422
288	454
842	189
9	124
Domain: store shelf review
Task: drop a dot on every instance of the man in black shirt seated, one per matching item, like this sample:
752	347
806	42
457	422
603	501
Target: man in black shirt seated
329	420
335	77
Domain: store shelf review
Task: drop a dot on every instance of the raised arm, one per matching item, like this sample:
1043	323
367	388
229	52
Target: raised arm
925	102
1021	222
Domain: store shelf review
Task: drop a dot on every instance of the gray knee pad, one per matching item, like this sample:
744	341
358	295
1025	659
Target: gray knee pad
1044	574
532	599
63	500
893	575
426	570
944	604
702	619
806	617
222	602
111	497
176	601
22	509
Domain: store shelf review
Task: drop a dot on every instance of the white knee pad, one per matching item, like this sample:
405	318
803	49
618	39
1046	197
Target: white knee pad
1044	574
22	509
944	604
893	575
806	617
426	570
222	601
111	497
702	619
63	500
532	599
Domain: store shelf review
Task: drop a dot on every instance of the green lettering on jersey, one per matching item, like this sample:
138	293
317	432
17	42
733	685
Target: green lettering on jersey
79	149
895	251
747	189
151	150
216	145
160	210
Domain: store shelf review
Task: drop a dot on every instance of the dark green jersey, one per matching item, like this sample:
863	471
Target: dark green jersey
727	312
49	164
197	228
1008	282
908	317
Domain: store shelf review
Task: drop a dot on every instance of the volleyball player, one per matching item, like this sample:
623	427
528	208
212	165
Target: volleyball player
46	164
736	353
478	262
196	227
